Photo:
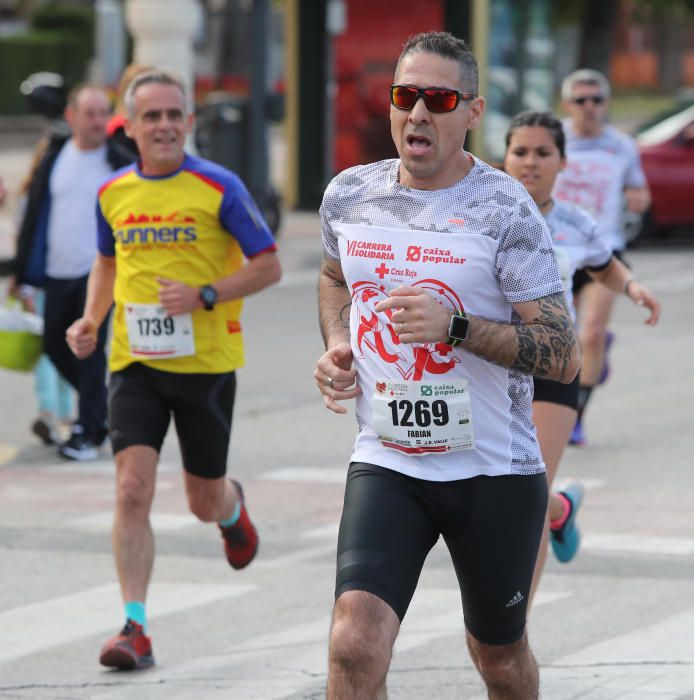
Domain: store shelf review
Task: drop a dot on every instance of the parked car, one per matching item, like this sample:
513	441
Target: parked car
667	152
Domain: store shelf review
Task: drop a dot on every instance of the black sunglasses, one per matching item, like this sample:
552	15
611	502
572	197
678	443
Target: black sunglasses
437	100
595	99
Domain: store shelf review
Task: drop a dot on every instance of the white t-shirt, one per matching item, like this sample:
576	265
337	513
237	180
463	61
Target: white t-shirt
479	246
597	171
577	244
73	185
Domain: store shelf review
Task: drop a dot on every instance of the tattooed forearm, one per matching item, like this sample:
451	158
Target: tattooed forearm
334	304
344	315
544	345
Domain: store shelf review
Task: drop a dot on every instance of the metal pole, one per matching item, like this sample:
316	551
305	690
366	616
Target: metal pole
258	140
335	23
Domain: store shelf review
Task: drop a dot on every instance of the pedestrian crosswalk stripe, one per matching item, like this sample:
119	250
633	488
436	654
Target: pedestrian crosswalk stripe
303	650
33	628
331	475
652	661
638	544
161	522
99	467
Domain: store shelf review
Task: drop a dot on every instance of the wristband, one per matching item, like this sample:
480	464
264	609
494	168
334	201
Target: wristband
627	283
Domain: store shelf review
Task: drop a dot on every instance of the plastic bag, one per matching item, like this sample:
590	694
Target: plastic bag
20	337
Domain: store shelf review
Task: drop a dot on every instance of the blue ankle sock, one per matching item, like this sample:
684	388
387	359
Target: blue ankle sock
136	611
234	516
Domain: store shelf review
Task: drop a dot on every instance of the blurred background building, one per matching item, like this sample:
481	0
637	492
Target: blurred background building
308	79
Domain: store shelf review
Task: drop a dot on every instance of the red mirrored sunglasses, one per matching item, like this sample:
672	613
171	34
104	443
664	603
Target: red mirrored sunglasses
437	100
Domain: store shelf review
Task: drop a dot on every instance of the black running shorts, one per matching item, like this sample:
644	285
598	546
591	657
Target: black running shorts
141	401
491	525
555	392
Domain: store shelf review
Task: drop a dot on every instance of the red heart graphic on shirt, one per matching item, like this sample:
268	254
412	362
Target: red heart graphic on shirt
376	334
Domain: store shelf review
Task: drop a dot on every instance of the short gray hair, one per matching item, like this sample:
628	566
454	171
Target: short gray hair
585	76
159	77
446	45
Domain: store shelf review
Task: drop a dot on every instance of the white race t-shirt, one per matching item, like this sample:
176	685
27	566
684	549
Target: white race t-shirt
73	185
479	246
597	171
577	244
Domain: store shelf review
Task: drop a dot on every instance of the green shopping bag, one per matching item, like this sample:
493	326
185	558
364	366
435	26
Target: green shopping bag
20	337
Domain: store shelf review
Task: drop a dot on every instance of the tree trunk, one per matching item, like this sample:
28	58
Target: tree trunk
597	32
669	44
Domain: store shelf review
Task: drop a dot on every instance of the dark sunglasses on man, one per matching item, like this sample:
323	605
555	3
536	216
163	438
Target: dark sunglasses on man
436	100
595	99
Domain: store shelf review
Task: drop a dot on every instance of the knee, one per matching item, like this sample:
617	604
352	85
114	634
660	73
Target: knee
359	646
500	666
592	335
134	495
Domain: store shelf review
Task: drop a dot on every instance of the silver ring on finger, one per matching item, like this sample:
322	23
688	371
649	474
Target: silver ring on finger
329	382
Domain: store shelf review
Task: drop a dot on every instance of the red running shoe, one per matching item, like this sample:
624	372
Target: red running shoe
128	651
241	539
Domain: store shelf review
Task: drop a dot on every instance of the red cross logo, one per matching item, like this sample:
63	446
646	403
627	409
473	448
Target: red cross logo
382	271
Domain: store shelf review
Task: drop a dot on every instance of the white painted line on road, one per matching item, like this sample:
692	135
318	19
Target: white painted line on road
161	522
288	561
325	532
54	622
638	544
285	663
327	475
592	484
100	467
653	661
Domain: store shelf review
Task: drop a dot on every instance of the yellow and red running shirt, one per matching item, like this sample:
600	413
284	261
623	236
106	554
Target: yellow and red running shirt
194	226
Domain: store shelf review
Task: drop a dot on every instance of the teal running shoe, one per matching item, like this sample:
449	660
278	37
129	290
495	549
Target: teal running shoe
567	539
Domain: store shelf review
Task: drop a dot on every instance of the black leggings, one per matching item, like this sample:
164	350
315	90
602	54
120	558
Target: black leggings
491	525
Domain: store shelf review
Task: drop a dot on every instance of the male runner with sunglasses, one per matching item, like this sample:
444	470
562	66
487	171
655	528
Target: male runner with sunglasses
439	297
603	174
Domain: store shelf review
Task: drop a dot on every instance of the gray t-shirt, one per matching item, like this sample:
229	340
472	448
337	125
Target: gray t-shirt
597	171
479	245
577	244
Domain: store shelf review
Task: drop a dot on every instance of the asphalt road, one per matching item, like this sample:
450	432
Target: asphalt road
618	622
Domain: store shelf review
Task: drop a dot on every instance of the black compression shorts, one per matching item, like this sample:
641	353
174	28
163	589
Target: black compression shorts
556	392
141	401
491	525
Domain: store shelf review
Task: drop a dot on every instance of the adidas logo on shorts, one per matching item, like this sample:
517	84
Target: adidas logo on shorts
515	600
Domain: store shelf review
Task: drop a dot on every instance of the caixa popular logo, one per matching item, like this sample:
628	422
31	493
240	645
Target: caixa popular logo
426	390
156	228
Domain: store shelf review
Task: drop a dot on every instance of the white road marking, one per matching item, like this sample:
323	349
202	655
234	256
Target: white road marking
285	663
328	475
638	544
592	484
650	662
99	467
161	522
33	628
325	532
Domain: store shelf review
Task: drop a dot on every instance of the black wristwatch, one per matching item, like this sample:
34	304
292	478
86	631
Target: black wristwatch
208	295
457	328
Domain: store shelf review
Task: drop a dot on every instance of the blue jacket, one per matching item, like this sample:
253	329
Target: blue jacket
29	265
